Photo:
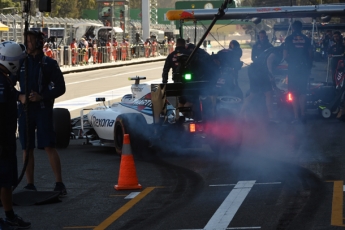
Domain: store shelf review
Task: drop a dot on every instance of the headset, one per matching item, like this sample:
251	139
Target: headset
39	37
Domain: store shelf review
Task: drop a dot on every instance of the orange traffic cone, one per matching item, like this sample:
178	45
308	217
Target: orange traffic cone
128	176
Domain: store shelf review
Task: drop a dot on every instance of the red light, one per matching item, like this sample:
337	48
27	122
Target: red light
192	128
289	97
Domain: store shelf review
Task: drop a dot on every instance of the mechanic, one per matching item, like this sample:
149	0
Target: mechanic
230	58
45	83
262	81
337	48
298	54
11	53
261	45
327	41
171	62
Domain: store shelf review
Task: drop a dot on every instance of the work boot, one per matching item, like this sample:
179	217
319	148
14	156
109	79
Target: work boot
31	187
4	226
17	223
60	187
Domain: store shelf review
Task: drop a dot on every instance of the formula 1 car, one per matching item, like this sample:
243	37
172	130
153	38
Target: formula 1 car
154	123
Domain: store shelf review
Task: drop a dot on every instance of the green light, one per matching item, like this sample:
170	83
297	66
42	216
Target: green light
188	76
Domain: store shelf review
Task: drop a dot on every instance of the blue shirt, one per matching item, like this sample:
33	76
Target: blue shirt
44	77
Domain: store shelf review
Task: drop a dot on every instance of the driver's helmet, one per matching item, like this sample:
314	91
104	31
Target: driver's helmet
10	55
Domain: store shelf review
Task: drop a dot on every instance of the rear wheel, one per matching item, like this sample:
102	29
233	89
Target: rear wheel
136	126
62	127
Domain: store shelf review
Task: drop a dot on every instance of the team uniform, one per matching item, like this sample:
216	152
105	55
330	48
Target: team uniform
258	71
8	127
336	49
260	47
171	62
46	79
298	47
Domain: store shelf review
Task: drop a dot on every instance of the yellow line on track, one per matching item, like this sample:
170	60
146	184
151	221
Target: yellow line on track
79	227
337	204
111	219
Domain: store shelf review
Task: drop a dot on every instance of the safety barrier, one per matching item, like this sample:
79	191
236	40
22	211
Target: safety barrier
66	56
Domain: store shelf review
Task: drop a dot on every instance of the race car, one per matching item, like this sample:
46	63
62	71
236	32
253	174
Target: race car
154	123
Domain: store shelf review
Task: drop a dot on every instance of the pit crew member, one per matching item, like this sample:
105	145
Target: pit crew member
45	83
337	48
171	62
261	79
299	55
261	45
11	53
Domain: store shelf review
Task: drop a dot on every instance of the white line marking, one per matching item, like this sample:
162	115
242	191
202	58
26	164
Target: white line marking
245	228
221	185
120	74
132	195
343	188
227	210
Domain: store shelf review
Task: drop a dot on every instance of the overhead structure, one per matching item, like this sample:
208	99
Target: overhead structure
255	13
153	12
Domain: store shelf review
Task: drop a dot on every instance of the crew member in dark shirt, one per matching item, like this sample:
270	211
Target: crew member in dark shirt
11	53
172	61
336	49
299	56
261	45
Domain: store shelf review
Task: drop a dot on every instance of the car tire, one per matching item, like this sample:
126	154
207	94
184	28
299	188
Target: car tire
136	126
62	127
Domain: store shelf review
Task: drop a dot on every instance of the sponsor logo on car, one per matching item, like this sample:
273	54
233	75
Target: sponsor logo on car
96	122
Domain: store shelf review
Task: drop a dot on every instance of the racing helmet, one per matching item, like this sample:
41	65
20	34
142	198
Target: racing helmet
10	55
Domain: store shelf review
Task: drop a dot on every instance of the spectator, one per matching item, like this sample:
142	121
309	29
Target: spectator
261	45
124	48
8	128
337	48
115	45
94	52
74	50
147	47
299	55
171	45
86	54
47	51
40	104
154	48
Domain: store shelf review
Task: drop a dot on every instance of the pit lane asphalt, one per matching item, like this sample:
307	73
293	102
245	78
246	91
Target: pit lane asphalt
180	197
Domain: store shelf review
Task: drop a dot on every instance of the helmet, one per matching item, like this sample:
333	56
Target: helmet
10	55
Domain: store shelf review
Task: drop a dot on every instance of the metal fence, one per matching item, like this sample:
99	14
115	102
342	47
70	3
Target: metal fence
65	56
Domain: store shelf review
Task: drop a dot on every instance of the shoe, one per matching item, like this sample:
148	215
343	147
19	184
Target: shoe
31	187
60	187
4	226
17	223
